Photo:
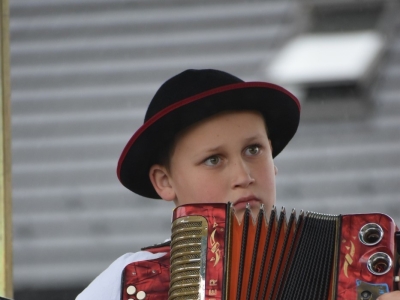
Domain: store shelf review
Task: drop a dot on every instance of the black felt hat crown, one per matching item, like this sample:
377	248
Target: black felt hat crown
192	96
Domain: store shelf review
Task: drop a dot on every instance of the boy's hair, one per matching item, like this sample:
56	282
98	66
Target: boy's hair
165	154
190	97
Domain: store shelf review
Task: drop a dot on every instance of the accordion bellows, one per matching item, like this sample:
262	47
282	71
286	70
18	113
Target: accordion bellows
310	256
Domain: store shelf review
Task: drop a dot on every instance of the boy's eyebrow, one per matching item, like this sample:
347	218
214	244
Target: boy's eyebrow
213	149
254	137
220	147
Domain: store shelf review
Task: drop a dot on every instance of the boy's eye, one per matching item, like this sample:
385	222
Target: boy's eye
212	161
252	150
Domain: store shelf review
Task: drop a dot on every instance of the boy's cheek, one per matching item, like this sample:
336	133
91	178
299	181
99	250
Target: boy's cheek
200	192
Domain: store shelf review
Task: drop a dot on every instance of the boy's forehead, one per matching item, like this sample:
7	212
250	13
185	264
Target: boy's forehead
214	123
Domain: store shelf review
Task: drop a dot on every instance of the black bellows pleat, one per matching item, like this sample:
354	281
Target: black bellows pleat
253	266
274	255
309	273
264	255
282	259
243	251
292	246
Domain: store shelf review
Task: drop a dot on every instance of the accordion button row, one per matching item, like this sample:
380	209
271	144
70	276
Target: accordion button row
131	290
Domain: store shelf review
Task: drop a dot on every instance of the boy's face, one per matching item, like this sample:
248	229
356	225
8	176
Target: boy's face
224	158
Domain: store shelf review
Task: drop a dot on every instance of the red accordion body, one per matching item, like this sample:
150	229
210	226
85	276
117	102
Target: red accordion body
312	256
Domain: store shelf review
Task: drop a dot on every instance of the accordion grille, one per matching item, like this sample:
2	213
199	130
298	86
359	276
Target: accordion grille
188	248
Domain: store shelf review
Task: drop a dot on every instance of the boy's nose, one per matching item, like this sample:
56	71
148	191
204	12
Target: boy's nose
241	175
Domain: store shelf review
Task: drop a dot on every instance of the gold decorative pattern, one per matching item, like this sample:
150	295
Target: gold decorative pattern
348	257
215	247
188	258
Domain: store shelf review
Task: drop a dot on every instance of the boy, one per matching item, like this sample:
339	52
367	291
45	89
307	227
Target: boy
207	137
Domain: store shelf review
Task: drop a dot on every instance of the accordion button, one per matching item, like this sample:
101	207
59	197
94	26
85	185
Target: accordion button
141	295
131	290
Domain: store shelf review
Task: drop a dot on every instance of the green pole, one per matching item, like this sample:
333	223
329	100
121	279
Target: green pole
6	274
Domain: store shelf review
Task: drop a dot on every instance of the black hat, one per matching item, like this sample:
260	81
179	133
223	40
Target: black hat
192	96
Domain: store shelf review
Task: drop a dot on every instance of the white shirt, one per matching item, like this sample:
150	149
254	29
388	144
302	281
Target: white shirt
107	286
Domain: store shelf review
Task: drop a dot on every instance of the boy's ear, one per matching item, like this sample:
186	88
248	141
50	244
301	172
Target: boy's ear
160	179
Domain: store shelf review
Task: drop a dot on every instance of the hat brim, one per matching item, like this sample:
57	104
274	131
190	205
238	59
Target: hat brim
280	109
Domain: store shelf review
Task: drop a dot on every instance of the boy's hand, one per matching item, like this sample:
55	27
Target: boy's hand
390	296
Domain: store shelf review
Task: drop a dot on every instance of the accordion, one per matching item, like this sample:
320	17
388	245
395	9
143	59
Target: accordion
280	256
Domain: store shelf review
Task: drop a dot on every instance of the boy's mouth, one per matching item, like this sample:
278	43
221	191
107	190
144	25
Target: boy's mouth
242	202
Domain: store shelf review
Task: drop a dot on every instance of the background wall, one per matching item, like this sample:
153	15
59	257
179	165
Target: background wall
83	73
